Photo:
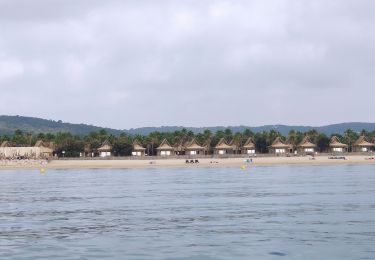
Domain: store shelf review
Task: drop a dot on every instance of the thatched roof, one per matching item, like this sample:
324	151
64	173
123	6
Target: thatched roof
137	146
362	142
306	143
222	145
6	144
249	144
278	143
44	144
335	143
165	146
39	143
106	147
193	145
51	145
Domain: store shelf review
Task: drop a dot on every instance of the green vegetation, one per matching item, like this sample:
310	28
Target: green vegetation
74	145
9	124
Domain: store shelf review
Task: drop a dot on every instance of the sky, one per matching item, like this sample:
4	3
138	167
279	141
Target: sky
128	64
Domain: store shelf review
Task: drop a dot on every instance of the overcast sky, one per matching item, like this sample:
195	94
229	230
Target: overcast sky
125	64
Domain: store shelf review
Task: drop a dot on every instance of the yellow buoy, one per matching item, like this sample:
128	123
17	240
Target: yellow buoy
243	167
42	170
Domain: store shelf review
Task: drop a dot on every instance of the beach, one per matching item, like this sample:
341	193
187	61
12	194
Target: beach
178	163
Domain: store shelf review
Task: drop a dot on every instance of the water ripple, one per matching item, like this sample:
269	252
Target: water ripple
224	213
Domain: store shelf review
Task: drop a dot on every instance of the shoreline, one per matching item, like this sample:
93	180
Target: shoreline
181	163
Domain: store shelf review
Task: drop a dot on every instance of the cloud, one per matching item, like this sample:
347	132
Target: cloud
10	69
140	63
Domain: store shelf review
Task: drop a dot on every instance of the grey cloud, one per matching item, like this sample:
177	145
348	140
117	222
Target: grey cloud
140	63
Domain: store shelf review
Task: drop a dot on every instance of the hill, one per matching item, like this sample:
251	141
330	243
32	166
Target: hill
8	124
283	129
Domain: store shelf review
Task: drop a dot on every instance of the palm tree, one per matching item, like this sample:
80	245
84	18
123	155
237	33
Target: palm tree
349	137
237	141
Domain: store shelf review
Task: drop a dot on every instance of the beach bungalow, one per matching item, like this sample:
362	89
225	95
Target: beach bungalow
138	149
105	150
46	149
165	149
40	150
223	148
362	145
194	148
336	146
306	146
278	147
249	147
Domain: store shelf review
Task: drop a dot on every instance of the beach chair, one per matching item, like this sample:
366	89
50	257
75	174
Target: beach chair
196	161
187	161
191	161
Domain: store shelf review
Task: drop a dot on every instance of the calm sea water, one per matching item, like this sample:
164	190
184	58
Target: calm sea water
288	212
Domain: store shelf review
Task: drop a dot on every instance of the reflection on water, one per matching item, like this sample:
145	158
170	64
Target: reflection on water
316	212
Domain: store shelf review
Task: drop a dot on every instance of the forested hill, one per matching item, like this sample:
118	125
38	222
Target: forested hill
8	124
283	129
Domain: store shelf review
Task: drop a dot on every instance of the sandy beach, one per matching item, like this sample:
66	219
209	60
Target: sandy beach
177	163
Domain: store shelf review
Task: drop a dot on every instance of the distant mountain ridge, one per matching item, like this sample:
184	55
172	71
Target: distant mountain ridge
8	124
283	129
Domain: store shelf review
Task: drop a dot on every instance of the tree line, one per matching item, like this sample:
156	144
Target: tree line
75	145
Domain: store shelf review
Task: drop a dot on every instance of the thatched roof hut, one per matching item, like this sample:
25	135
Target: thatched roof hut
306	143
165	148
306	146
223	147
362	145
105	149
137	146
165	145
336	146
46	148
279	147
194	148
335	142
138	149
249	146
279	143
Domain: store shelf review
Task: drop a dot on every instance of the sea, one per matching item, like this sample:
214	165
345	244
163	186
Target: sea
275	212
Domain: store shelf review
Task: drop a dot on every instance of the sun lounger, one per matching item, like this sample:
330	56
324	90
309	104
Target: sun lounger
196	161
337	157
